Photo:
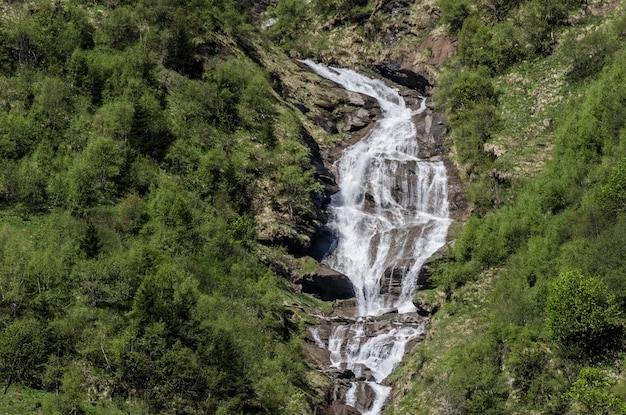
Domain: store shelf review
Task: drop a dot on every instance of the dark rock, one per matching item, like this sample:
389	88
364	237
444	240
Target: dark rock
327	284
404	77
424	278
346	374
392	281
303	109
323	243
328	125
459	206
395	7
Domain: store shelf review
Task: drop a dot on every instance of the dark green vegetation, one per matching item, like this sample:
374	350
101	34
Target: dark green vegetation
138	143
140	146
544	252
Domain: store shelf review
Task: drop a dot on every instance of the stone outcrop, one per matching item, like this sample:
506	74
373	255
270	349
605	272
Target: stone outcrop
327	284
315	347
404	76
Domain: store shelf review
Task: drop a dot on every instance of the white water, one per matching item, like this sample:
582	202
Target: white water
391	213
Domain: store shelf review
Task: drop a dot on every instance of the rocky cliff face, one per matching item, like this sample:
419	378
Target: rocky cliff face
399	40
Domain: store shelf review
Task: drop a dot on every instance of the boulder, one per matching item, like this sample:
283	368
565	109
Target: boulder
320	358
358	119
327	284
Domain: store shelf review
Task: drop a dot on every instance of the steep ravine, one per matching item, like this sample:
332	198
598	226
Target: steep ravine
363	340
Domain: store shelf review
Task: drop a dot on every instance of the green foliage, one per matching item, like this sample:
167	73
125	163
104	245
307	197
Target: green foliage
469	99
181	53
496	47
134	162
589	55
289	14
467	89
474	380
149	132
533	368
612	194
570	216
351	10
581	314
454	13
499	9
591	393
23	350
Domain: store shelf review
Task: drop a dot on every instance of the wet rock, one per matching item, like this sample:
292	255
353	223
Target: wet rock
365	395
392	281
341	409
424	278
328	125
356	99
320	358
323	242
327	284
458	204
346	374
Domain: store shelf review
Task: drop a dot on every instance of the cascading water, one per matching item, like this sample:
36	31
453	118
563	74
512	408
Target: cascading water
390	216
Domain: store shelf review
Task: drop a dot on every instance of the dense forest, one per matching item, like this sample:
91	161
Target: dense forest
143	143
137	150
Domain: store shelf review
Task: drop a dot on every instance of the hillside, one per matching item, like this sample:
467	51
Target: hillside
529	295
153	183
165	166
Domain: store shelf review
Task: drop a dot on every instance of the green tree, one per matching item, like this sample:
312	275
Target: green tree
181	55
104	158
120	29
73	388
149	131
499	9
454	13
23	351
581	314
591	394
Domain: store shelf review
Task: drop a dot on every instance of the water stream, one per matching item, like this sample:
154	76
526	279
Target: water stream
390	216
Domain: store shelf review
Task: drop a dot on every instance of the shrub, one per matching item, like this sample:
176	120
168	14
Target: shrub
580	313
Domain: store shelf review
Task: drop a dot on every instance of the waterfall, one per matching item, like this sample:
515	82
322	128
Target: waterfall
390	215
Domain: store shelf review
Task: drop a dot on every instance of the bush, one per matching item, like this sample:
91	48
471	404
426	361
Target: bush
581	315
454	13
591	395
496	47
589	55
